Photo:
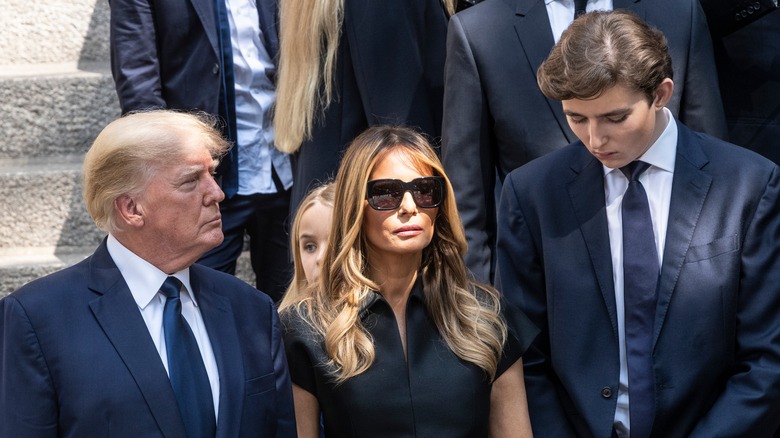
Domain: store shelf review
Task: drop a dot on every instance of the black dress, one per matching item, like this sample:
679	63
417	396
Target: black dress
433	394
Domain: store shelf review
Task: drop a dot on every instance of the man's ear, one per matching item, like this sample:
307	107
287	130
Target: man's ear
663	93
128	211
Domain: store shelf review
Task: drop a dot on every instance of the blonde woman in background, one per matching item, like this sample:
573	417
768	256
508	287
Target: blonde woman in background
308	241
346	65
395	339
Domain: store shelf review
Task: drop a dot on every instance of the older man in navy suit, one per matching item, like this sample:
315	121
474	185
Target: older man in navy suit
136	340
648	254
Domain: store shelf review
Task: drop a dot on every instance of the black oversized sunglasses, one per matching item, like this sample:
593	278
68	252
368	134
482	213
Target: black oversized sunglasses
387	194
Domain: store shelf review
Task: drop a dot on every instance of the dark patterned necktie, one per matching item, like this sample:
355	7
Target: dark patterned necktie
188	375
640	279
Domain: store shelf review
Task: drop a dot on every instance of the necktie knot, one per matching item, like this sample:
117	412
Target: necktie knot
171	287
634	169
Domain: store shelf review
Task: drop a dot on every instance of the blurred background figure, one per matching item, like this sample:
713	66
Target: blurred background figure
346	65
395	326
746	37
308	240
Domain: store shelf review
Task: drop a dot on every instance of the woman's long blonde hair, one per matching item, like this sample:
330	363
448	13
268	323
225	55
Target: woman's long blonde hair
309	33
466	313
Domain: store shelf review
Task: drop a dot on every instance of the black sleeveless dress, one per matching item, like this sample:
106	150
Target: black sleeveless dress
431	394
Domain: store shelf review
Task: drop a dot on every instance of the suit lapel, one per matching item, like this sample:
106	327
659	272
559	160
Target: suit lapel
586	191
532	26
116	312
267	11
220	324
690	186
206	10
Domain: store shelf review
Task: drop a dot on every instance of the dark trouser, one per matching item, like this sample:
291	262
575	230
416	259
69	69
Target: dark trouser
264	218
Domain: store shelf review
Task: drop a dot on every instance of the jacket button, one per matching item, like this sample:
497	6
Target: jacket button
606	392
215	69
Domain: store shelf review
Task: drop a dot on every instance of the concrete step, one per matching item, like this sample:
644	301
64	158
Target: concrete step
54	31
41	204
54	109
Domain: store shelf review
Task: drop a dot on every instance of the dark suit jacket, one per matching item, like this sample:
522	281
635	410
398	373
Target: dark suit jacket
726	16
77	358
748	63
166	54
390	66
717	327
496	118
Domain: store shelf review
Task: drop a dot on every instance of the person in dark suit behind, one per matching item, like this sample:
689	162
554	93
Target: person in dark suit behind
346	65
745	35
218	57
92	350
496	119
656	298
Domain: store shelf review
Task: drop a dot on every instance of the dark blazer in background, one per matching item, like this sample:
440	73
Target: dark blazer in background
726	16
747	55
184	69
496	118
390	69
716	347
77	358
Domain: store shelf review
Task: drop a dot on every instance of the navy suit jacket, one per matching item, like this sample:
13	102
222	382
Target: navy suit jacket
496	119
77	358
717	326
166	54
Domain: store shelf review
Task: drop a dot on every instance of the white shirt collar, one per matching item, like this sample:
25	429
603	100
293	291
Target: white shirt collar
143	278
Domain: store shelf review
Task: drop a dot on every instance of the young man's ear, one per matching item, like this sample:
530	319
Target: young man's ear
663	94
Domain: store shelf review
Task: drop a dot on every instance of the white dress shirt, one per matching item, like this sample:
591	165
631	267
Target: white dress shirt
144	281
657	182
561	13
255	95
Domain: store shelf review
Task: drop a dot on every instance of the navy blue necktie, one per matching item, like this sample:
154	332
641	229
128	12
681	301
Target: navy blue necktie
580	7
185	367
640	279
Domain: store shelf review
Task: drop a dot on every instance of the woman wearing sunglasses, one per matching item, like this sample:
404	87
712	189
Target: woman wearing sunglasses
396	340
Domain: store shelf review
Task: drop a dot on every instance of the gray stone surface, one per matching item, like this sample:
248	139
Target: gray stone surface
35	32
54	109
41	206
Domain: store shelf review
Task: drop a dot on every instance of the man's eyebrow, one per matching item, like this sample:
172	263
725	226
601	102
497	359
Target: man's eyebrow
190	171
616	112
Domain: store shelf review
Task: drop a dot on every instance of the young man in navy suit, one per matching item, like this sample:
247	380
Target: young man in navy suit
496	119
96	349
657	296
